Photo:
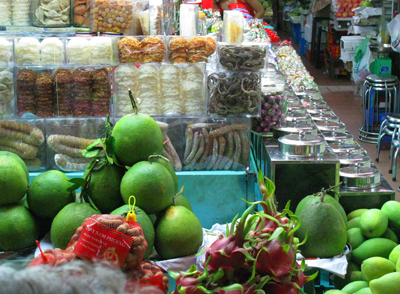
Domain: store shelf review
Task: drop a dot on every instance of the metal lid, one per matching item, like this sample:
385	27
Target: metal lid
328	125
301	139
381	78
297	116
335	136
359	177
358	172
293	103
294	127
318	109
324	116
342	147
351	158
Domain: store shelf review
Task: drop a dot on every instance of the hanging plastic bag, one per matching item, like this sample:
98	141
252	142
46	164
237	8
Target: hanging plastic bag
362	60
394	31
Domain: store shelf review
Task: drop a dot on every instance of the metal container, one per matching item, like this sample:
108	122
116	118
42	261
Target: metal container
323	117
336	137
359	177
299	117
295	127
341	147
302	145
293	99
297	109
294	103
318	109
330	126
351	159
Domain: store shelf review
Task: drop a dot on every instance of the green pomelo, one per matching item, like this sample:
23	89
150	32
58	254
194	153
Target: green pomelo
137	136
356	213
153	218
144	221
353	287
376	267
181	200
364	291
48	193
67	221
24	201
170	168
395	254
392	210
104	188
327	199
353	273
373	223
355	238
335	292
353	223
178	233
390	234
325	229
20	161
19	228
151	184
398	265
388	284
371	248
13	182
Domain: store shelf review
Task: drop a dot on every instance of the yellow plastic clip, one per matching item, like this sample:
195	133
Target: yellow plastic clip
131	216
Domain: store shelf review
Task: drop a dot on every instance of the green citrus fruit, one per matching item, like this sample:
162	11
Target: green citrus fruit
144	221
181	200
170	169
48	193
104	188
18	228
178	233
137	136
19	159
151	184
13	180
67	221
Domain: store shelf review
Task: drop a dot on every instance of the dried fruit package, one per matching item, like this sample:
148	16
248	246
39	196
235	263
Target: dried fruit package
81	13
191	49
51	14
156	15
233	26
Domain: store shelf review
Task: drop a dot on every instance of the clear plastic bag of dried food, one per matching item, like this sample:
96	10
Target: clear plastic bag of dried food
7	103
244	56
156	17
51	14
6	51
67	138
141	49
111	16
234	94
25	138
81	13
233	26
216	145
138	7
192	49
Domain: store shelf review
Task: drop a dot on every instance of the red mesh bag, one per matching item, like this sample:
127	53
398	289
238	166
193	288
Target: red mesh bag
54	257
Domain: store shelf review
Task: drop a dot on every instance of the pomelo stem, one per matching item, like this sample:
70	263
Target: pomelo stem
177	194
133	102
156	156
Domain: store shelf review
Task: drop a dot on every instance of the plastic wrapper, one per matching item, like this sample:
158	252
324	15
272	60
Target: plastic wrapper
21	10
273	112
78	51
193	89
111	16
27	51
233	26
5	12
6	93
191	49
6	51
25	89
141	49
144	19
234	93
25	138
148	91
156	17
102	50
216	145
138	7
66	140
55	13
52	51
244	56
189	15
81	13
91	50
126	78
63	92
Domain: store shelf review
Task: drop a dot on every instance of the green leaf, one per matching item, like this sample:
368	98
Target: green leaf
77	183
110	145
276	233
92	146
270	187
92	153
233	287
91	202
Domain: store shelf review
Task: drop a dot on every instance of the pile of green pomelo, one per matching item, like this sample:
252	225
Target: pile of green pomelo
50	203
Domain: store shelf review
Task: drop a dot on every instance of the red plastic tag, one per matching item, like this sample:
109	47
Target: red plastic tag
100	242
133	285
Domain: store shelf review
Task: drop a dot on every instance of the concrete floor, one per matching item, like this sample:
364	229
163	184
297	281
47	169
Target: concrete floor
342	96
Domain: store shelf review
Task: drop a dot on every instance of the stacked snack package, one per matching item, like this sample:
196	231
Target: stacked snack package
150	49
156	17
5	12
63	92
6	92
81	90
21	12
52	51
26	91
27	51
192	89
126	79
138	6
189	15
81	13
78	51
5	51
129	50
233	26
101	92
101	50
170	91
44	94
178	50
148	93
51	13
197	49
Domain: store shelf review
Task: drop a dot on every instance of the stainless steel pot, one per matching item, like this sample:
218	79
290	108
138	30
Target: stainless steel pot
302	145
323	117
342	147
359	177
295	127
297	109
330	126
336	137
318	109
351	159
299	117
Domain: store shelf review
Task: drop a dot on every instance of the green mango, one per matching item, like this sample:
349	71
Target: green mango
373	247
388	284
355	286
376	267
